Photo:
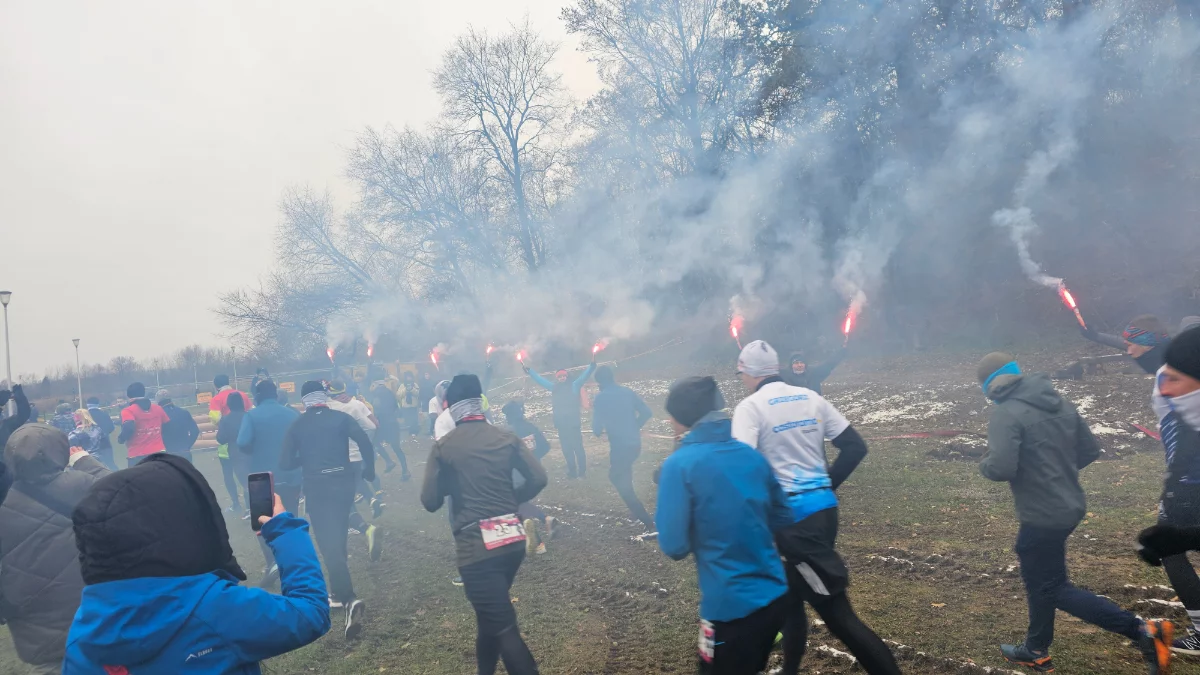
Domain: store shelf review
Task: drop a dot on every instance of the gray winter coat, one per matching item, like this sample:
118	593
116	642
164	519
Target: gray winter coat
40	584
1038	442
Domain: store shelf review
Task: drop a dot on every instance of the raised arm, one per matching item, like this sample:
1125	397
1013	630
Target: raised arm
543	382
577	385
1106	339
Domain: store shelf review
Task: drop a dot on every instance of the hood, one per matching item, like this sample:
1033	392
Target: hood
1036	390
514	410
130	622
715	427
143	403
37	453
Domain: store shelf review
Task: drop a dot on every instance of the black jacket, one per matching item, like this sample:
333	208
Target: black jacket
180	434
7	427
319	443
105	422
40	583
228	428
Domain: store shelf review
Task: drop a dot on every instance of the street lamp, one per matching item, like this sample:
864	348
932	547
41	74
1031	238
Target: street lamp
5	298
78	372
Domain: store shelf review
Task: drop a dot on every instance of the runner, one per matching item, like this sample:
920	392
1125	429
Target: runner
800	373
718	499
789	426
567	414
141	424
437	403
319	444
387	414
474	464
621	413
104	421
1176	401
218	407
1037	443
535	440
408	397
180	434
1145	340
340	399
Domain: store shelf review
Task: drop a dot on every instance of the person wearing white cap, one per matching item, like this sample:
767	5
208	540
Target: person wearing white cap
789	426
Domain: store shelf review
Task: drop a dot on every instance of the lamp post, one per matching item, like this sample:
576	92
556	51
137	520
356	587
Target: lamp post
78	372
5	298
233	357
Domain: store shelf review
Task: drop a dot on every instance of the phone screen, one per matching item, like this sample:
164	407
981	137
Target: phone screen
262	497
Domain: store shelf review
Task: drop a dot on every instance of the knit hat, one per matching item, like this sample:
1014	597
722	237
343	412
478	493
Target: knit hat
758	359
1183	354
691	398
463	387
221	381
136	390
336	388
162	395
1146	330
991	363
311	386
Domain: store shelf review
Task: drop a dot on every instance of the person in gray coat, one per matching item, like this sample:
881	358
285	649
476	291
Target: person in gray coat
1038	443
40	583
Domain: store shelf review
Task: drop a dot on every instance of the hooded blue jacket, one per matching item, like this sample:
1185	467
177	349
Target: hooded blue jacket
718	499
261	437
206	623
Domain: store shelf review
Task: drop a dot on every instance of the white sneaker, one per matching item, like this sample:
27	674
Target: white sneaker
355	614
334	604
645	536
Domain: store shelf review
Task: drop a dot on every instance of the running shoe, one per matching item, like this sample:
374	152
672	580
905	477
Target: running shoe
551	526
335	604
531	536
1155	644
358	497
457	581
377	505
246	515
1023	656
354	532
355	613
645	536
1188	644
269	577
233	509
391	466
374	543
405	477
541	548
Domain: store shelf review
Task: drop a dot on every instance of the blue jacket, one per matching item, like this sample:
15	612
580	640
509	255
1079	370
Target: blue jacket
622	413
203	624
261	437
718	500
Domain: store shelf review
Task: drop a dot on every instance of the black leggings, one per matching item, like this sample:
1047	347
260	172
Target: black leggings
571	440
228	472
497	635
840	619
743	646
328	502
620	473
391	436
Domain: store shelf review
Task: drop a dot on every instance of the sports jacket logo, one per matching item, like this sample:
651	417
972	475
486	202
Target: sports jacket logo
196	655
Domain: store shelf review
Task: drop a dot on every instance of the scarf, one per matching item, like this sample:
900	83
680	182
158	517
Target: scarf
315	398
1010	368
467	410
1187	406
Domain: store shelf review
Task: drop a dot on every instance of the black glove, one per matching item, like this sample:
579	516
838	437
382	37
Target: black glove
525	368
1087	332
1164	541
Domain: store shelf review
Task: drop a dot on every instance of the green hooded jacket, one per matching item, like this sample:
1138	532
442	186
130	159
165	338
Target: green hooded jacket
1037	443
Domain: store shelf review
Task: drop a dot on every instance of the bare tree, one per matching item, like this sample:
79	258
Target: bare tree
502	95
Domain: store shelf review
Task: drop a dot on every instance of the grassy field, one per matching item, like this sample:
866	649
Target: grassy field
927	538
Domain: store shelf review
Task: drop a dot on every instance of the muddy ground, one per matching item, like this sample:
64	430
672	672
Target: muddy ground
927	538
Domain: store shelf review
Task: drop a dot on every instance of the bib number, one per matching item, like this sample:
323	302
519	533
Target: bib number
501	531
707	641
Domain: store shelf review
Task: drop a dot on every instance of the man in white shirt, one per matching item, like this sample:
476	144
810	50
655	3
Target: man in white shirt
789	426
340	399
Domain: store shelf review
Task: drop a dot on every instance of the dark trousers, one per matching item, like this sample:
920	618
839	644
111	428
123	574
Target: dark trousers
356	520
498	637
817	575
328	501
529	510
228	472
290	496
571	440
1043	556
105	455
742	646
186	454
391	436
1182	509
620	473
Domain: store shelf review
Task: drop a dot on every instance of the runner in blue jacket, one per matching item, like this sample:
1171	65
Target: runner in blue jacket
162	593
565	394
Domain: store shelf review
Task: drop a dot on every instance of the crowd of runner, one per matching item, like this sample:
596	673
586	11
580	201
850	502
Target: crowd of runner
130	572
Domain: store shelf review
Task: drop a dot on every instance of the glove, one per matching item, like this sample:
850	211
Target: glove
1087	332
525	368
1164	541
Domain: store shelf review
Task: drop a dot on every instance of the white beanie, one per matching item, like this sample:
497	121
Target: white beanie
758	359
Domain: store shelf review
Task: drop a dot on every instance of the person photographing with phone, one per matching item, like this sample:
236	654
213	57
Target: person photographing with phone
318	443
162	582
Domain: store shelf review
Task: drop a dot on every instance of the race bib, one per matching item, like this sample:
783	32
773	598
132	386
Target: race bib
529	442
707	641
501	531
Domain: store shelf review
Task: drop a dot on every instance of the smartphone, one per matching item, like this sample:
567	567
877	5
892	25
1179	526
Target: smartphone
261	487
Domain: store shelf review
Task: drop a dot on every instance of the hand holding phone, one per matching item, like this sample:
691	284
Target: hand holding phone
262	499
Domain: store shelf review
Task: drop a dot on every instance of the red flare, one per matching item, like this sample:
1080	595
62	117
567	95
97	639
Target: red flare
329	352
490	349
521	356
1069	301
433	357
735	324
370	350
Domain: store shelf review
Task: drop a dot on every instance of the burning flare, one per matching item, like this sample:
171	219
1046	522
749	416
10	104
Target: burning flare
329	351
735	325
521	356
370	349
1069	301
433	356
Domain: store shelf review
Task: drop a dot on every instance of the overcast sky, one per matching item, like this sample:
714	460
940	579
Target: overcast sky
144	146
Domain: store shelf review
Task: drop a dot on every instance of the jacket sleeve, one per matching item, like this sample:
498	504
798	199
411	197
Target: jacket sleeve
577	385
1004	447
193	429
746	423
673	514
363	441
215	416
431	490
540	444
543	382
1086	445
102	420
852	449
289	454
535	476
245	437
642	411
780	513
260	625
23	412
1106	339
821	372
226	434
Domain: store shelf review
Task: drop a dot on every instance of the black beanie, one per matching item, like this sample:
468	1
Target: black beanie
1183	353
692	398
605	376
136	390
311	386
463	387
221	381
